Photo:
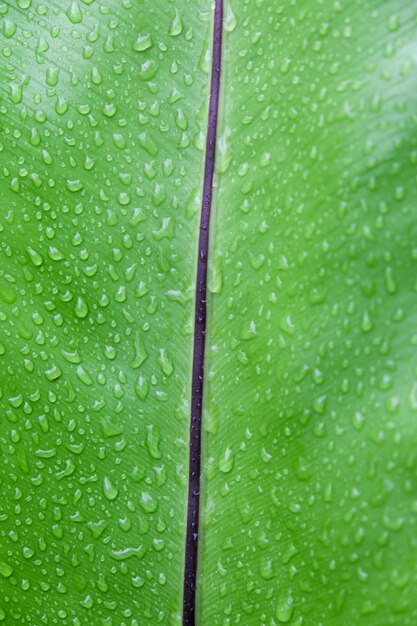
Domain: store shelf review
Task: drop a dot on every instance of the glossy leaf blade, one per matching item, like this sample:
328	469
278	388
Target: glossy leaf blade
103	115
310	408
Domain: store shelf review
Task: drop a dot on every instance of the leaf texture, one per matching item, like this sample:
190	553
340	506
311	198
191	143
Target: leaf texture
103	113
309	486
308	505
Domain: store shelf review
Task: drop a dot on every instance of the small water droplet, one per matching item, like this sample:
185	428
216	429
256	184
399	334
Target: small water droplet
226	462
142	42
81	308
110	491
176	25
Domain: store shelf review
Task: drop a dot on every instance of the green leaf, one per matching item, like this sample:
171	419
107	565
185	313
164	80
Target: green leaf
309	464
103	114
310	445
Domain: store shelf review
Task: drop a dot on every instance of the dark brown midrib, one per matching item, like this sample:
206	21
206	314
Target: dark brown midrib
193	513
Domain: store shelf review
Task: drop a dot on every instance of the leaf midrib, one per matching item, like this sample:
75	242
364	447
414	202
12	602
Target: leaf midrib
200	321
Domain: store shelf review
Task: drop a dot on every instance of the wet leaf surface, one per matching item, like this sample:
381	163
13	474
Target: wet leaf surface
309	464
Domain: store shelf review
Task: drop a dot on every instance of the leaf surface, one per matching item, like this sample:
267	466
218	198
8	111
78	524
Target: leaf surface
308	482
103	113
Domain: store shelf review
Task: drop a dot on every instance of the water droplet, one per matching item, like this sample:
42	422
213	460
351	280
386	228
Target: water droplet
5	569
142	42
81	308
74	13
148	69
153	441
285	609
226	462
74	185
176	25
109	490
9	28
148	502
165	363
35	257
140	352
230	21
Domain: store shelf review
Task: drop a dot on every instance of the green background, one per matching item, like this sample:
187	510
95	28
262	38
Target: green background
309	498
310	503
103	120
